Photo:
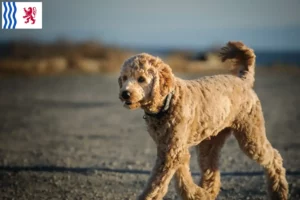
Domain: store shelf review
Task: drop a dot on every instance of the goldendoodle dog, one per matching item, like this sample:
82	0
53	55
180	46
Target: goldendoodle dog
202	113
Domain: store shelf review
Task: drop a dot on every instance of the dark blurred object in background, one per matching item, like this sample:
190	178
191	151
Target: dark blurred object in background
30	57
37	58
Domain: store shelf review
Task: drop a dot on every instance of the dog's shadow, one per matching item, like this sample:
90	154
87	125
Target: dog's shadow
88	170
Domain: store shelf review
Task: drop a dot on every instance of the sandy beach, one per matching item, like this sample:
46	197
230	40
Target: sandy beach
68	137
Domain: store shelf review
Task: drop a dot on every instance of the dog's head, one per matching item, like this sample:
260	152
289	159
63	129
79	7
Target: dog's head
144	82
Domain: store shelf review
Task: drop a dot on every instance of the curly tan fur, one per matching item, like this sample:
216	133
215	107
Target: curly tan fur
201	113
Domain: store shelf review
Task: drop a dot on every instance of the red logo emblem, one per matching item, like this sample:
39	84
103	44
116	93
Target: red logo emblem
30	14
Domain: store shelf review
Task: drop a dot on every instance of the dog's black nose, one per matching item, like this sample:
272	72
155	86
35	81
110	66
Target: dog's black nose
125	94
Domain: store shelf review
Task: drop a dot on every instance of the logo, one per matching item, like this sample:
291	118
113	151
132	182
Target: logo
22	15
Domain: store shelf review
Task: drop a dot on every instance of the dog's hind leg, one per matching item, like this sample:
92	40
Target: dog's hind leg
208	156
251	136
185	185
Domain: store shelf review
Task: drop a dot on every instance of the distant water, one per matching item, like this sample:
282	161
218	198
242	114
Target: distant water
269	58
262	57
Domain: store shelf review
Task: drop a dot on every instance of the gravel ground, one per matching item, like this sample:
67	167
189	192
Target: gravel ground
68	137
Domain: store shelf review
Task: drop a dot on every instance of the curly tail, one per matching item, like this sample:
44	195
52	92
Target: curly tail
244	58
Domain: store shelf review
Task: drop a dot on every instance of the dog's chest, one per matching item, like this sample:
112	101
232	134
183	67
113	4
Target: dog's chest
157	128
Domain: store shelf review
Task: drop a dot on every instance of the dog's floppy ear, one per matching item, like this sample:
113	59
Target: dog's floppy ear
163	81
166	80
120	82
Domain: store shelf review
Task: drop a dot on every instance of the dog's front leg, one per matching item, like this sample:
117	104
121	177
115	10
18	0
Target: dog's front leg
168	160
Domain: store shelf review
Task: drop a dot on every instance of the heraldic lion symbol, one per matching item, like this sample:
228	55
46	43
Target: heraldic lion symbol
30	14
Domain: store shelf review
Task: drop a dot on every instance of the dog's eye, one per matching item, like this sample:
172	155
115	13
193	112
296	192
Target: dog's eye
124	78
141	79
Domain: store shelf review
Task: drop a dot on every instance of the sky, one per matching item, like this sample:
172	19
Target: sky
262	24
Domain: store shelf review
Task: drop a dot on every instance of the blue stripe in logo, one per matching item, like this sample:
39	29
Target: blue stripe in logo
10	20
14	15
4	15
9	15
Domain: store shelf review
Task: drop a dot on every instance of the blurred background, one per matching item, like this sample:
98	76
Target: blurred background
65	135
96	36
